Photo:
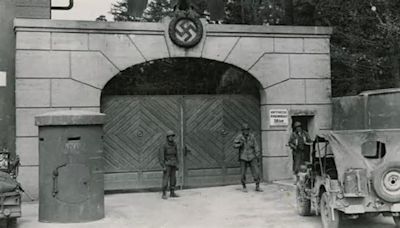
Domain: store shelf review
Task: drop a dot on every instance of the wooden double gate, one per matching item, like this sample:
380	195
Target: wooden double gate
205	126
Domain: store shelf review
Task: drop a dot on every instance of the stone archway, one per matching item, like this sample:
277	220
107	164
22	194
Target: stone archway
65	65
204	102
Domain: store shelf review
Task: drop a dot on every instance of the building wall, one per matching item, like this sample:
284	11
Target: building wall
7	59
9	9
65	64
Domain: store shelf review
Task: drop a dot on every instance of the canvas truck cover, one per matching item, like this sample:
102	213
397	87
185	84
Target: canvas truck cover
347	149
375	109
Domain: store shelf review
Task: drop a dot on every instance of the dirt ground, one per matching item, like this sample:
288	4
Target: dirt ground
207	207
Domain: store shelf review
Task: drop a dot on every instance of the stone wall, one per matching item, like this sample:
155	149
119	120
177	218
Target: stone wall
65	64
9	10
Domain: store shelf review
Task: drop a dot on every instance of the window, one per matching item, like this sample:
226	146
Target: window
373	149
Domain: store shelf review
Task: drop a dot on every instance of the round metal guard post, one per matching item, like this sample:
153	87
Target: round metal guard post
71	174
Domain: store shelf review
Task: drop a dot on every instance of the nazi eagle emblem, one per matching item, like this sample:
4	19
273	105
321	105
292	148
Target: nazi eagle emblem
186	31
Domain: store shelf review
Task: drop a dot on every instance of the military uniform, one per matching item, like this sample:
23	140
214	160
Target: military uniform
298	142
168	158
249	155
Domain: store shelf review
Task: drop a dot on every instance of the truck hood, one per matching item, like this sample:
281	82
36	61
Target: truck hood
346	147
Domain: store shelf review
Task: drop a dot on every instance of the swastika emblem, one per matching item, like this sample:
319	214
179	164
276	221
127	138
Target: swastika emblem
186	31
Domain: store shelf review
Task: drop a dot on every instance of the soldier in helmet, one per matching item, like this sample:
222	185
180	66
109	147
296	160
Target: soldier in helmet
168	158
297	142
249	155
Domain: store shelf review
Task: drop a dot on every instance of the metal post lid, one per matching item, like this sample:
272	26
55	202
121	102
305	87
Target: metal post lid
69	117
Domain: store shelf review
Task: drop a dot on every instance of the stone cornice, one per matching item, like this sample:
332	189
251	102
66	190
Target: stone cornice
44	25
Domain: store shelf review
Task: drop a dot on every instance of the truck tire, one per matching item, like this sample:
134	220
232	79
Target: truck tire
329	218
397	221
12	223
386	182
8	223
303	204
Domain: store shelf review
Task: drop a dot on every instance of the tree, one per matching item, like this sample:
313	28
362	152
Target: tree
389	20
364	44
120	11
158	9
253	12
361	50
154	12
269	12
289	12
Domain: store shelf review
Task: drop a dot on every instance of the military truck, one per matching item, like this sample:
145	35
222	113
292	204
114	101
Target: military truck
10	190
355	169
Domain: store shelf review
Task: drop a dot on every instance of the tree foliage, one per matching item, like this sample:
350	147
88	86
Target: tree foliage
119	10
363	51
155	10
158	9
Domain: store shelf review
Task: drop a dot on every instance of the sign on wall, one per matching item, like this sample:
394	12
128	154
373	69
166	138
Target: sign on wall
3	79
278	117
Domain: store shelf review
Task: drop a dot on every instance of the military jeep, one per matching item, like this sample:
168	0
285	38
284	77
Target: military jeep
351	173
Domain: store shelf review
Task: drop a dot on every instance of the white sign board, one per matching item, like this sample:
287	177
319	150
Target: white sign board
3	79
278	117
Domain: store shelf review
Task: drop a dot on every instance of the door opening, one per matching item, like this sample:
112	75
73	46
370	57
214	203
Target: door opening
307	124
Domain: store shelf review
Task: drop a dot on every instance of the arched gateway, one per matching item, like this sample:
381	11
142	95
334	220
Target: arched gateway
204	102
66	65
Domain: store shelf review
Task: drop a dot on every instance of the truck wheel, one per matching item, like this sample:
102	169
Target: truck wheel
386	182
303	204
397	220
329	218
11	223
3	223
8	223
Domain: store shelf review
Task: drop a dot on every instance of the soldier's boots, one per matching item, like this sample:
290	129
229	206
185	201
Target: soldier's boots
164	195
258	189
244	188
173	194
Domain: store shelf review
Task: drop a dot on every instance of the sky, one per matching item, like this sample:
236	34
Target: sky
87	10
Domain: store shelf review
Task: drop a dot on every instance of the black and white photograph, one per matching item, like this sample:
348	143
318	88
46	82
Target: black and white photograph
199	113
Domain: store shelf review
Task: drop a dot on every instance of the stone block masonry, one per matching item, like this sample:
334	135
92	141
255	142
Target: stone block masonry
66	64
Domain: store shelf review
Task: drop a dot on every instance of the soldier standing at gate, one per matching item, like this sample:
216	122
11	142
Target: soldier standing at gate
168	157
249	155
297	142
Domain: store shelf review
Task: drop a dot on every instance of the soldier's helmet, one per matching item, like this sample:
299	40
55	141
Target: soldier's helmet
297	124
245	126
170	133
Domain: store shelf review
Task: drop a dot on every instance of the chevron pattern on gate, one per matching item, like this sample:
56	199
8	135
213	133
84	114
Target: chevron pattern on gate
203	125
213	122
134	130
239	109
